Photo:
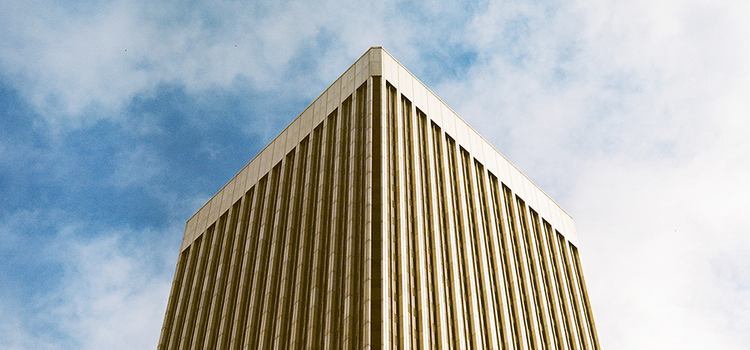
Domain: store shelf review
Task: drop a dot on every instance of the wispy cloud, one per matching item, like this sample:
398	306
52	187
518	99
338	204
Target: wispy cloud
632	116
108	291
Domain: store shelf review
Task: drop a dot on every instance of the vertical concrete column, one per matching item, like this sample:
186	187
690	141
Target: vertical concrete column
378	249
281	295
303	281
437	228
244	297
347	236
231	304
455	223
314	328
481	245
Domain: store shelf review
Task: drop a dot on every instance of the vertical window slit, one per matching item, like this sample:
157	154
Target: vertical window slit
287	296
377	319
239	328
552	246
445	231
179	275
261	269
489	251
321	278
585	298
547	285
518	250
473	242
231	306
415	306
395	268
562	296
356	323
531	260
303	309
278	232
469	328
216	299
506	255
174	341
571	291
338	234
435	326
193	298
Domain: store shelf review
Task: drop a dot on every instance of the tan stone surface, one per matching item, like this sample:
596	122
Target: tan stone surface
470	254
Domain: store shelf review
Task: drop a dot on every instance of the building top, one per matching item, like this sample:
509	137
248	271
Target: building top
378	62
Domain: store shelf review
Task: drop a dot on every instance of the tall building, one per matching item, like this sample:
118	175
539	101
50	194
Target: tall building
378	219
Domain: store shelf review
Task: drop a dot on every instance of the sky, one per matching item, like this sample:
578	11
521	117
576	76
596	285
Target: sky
120	118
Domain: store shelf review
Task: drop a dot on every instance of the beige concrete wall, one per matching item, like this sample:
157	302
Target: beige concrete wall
501	271
300	127
453	125
280	256
378	219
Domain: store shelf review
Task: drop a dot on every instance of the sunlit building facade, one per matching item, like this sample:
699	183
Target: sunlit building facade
378	219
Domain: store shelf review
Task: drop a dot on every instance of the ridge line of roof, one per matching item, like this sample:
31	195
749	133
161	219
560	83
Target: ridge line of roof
469	125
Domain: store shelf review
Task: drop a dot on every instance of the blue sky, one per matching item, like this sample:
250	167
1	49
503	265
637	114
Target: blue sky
119	119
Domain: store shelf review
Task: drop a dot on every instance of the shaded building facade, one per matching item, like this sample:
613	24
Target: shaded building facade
378	219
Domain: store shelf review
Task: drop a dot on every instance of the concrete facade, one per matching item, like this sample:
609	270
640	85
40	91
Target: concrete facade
379	219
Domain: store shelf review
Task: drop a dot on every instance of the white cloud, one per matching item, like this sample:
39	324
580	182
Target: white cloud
634	116
78	65
110	292
110	297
